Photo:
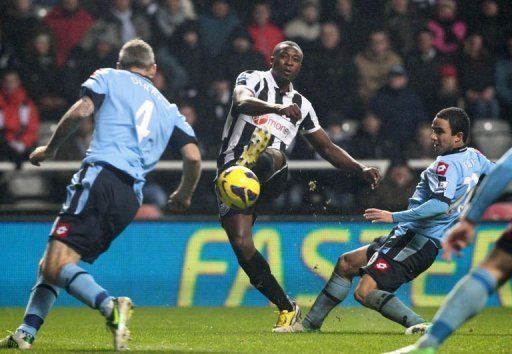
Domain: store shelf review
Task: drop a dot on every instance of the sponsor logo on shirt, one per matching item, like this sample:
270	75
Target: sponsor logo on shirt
442	167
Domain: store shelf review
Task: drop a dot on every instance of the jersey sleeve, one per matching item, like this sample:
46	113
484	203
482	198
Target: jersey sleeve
96	87
310	123
182	134
442	181
250	79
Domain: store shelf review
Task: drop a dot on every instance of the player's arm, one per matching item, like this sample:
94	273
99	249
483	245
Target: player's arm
429	209
341	159
182	197
68	124
247	103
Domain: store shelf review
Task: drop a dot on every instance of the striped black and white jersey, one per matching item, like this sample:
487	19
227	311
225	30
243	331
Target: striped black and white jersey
239	127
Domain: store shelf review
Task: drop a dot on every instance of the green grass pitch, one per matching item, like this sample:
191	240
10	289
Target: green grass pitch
248	330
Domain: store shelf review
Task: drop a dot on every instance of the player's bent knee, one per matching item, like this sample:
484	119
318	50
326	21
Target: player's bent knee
360	296
345	266
50	272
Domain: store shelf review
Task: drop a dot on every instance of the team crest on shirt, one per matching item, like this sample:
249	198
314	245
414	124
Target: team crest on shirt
442	167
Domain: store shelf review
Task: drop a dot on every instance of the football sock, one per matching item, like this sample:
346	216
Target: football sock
334	292
465	300
41	300
258	271
392	308
82	286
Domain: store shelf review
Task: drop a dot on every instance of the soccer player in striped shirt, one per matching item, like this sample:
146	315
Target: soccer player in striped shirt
265	117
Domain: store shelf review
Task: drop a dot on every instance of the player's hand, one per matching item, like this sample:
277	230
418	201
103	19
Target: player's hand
40	154
378	215
179	200
372	176
459	237
292	111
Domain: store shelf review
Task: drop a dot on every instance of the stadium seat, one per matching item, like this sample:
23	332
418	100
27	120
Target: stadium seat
498	212
493	137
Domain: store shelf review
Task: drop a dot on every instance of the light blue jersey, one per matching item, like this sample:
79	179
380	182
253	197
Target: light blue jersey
133	123
442	192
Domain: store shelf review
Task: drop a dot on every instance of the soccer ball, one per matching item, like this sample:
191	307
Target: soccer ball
238	187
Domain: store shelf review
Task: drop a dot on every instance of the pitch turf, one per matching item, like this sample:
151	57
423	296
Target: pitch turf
230	330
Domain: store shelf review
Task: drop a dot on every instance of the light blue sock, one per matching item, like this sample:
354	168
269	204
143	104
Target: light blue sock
334	292
392	308
466	299
77	282
41	300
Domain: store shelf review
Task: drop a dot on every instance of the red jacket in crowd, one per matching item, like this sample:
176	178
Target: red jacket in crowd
265	39
19	118
68	29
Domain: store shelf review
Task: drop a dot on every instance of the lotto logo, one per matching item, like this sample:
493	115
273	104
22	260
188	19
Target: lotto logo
381	265
441	169
260	120
61	230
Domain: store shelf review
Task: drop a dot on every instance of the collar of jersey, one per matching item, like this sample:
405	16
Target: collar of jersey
144	77
274	83
455	151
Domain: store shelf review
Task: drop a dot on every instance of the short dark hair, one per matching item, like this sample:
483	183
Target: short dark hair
458	119
136	53
286	44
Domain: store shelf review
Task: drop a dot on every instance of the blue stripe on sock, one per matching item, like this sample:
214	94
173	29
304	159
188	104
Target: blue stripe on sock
478	277
440	330
99	299
33	321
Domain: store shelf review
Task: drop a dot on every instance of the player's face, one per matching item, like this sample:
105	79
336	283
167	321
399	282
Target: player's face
442	136
286	63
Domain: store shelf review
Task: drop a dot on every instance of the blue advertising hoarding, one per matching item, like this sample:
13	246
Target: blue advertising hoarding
191	263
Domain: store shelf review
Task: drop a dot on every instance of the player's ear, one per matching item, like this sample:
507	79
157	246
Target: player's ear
118	65
152	71
272	61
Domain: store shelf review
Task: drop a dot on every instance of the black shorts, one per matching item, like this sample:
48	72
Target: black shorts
101	203
395	260
271	189
505	241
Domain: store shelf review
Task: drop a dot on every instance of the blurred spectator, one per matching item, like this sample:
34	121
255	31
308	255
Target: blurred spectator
374	63
369	142
160	82
395	189
423	65
42	78
329	73
7	54
123	20
402	21
68	22
19	25
422	147
264	33
240	57
19	125
345	15
305	28
167	17
477	72
190	56
491	24
448	30
215	28
449	93
176	76
504	79
400	109
82	63
215	110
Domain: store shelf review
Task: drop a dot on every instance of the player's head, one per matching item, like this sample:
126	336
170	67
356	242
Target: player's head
286	61
450	129
136	55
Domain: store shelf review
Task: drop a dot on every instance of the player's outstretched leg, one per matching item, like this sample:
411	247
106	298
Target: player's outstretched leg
259	141
336	289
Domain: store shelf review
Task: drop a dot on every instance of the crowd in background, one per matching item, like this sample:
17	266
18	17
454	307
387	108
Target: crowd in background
382	68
